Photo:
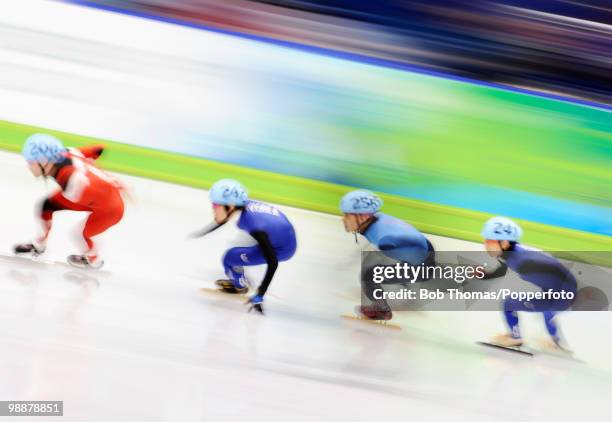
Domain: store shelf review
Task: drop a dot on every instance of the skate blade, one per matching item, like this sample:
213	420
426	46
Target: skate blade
219	292
32	255
28	255
85	266
515	349
381	323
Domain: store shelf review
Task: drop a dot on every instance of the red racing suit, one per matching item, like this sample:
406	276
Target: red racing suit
84	187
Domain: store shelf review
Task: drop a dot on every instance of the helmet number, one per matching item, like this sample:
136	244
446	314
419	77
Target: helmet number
500	228
231	192
39	149
365	202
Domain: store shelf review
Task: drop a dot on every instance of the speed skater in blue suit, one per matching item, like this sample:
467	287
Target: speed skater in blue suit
395	239
501	240
273	232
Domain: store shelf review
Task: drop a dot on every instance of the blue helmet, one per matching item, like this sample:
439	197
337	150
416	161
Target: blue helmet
228	192
43	148
360	202
501	228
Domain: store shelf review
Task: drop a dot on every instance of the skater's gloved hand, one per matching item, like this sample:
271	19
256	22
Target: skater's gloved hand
255	303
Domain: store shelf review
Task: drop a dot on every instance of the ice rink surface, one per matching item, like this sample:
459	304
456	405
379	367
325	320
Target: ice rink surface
138	341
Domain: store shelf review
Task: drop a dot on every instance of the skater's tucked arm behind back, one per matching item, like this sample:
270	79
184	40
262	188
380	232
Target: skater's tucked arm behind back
92	151
388	243
271	259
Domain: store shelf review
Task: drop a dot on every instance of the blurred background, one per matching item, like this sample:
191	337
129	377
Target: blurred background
452	110
556	46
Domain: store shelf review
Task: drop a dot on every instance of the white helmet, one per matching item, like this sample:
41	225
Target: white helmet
501	228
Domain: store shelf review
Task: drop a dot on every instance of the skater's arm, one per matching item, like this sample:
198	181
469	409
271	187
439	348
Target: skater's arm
271	259
500	271
50	204
55	202
534	268
204	231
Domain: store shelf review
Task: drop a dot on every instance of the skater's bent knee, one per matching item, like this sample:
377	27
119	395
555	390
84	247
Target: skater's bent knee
232	258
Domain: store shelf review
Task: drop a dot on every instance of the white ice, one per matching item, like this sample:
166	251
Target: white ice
138	341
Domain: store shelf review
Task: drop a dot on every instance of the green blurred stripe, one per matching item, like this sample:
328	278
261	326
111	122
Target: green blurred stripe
308	194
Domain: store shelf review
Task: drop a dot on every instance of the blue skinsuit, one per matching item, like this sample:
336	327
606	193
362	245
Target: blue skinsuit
397	239
545	272
276	242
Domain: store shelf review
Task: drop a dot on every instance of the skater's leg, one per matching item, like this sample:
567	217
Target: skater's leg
235	259
513	338
511	308
286	252
371	307
98	222
369	287
512	321
551	325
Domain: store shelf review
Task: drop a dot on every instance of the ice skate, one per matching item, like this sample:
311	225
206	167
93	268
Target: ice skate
374	312
373	315
85	261
228	286
555	347
506	340
28	249
508	343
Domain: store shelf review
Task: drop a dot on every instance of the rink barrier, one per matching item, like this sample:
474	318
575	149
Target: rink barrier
305	193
